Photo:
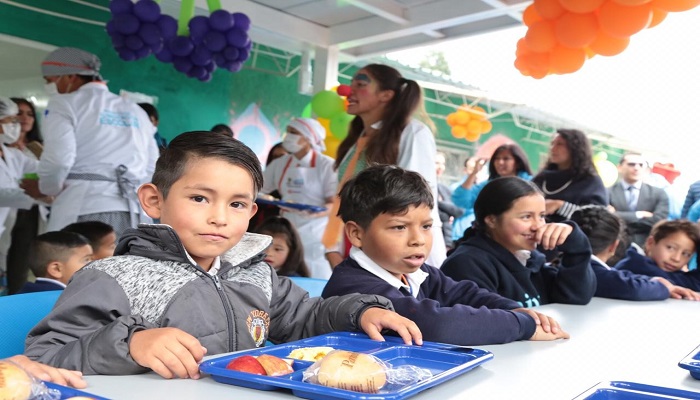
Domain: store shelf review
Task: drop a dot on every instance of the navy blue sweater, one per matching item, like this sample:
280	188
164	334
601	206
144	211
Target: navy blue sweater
589	190
644	265
492	267
39	286
445	311
626	285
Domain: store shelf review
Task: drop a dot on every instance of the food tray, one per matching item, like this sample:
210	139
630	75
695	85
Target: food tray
617	390
692	363
296	206
68	392
443	360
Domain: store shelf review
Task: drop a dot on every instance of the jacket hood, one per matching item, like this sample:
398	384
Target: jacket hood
485	243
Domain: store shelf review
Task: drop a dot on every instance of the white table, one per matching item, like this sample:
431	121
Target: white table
611	340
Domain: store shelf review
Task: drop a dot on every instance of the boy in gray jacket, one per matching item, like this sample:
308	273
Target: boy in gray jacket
194	284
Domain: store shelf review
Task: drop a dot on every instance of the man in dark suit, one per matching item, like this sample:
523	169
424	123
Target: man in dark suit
640	205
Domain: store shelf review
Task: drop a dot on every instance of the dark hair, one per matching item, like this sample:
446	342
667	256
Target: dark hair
294	264
382	189
521	161
271	154
34	134
202	144
94	231
666	228
497	197
624	158
222	128
383	147
581	154
53	246
150	109
601	226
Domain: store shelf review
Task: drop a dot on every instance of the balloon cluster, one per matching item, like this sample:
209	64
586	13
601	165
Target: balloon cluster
469	123
562	34
195	46
606	169
330	108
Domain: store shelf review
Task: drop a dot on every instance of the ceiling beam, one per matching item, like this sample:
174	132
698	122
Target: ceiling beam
386	9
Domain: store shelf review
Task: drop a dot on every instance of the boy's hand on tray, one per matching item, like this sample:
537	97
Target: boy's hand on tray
169	352
374	319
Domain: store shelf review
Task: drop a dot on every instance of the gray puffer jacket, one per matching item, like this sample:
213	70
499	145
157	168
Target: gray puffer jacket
152	284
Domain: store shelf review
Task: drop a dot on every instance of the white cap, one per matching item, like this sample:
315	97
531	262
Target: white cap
312	130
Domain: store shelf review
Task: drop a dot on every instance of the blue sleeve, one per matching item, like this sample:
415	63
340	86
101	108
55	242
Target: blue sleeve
626	285
694	212
465	198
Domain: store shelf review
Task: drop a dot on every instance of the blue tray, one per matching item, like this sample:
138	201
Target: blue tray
296	206
67	392
692	363
617	390
443	360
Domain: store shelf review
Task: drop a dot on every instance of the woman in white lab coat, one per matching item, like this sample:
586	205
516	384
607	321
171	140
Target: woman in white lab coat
305	176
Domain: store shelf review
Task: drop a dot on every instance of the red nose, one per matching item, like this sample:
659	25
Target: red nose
343	90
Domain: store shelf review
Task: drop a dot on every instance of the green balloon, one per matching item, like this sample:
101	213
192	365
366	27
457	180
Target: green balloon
307	111
327	104
340	125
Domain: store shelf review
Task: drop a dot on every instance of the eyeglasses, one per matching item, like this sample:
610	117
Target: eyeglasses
635	164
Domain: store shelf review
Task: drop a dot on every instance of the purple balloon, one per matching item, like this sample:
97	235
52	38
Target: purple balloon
126	24
231	53
243	55
164	55
182	64
110	28
215	41
118	40
180	46
241	21
147	10
198	72
237	38
248	45
219	59
133	42
143	52
149	33
221	20
167	26
156	47
199	26
201	56
234	66
120	6
210	67
206	77
126	54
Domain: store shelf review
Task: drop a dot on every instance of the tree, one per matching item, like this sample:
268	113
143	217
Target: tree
435	61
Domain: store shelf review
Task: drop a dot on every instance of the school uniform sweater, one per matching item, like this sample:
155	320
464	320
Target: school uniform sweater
491	266
589	190
644	265
626	285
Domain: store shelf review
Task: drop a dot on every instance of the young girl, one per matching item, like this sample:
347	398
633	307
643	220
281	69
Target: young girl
499	251
669	247
605	231
285	255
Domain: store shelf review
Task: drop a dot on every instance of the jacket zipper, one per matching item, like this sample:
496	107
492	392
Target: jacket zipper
227	309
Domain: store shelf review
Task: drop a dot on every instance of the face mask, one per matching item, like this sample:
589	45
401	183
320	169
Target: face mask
51	89
10	132
291	143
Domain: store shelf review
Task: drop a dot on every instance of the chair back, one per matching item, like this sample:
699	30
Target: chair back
18	315
312	285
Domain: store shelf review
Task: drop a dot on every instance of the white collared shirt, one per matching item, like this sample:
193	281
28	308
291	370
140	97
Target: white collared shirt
415	279
215	265
522	256
593	257
54	281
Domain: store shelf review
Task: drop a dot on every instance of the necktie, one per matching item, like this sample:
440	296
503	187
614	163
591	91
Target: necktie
632	198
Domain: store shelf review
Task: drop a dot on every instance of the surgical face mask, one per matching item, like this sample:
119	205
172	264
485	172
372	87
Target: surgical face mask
51	89
291	143
10	132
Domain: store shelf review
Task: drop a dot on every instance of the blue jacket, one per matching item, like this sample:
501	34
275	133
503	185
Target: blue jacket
643	265
491	266
625	285
690	199
445	311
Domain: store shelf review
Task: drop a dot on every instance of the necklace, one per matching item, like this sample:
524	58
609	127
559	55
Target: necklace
547	192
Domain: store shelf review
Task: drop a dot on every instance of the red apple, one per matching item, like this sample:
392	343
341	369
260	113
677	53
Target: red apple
274	366
247	364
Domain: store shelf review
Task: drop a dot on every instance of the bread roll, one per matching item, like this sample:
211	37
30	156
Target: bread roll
15	384
351	371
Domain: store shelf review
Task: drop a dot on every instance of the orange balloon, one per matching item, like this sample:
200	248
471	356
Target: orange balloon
462	117
675	5
459	131
537	60
581	6
657	16
632	2
478	113
607	45
451	119
624	21
539	74
472	137
548	9
565	60
540	36
326	123
530	15
576	30
474	126
486	126
332	144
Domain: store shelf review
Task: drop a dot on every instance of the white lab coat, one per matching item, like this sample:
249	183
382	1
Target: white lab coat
310	180
93	131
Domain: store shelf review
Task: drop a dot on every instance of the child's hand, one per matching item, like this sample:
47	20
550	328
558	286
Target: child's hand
548	324
677	292
374	319
541	335
553	235
169	352
45	372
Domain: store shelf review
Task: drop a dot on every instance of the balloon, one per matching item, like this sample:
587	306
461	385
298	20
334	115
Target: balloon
118	40
623	21
530	15
332	144
675	5
215	41
182	64
147	10
607	45
632	2
181	46
472	137
199	26
167	26
237	38
474	126
451	119
486	126
521	47
241	21
565	60
581	6
607	171
548	9
540	36
121	6
576	30
340	125
462	117
459	131
149	33
201	56
306	113
537	61
657	16
164	55
133	42
234	66
221	20
327	104
126	54
126	24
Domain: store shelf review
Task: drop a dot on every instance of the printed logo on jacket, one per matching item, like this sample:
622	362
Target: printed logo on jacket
258	322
